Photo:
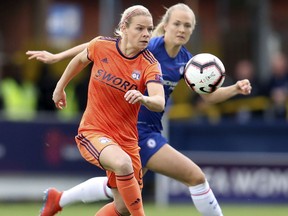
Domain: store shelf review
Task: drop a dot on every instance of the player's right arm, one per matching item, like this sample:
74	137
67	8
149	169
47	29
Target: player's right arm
50	58
224	93
76	65
155	101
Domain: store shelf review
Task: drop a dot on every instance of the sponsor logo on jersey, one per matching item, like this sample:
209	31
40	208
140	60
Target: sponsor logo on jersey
171	85
114	81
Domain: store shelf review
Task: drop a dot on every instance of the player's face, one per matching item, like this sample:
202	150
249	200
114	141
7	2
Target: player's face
179	27
139	32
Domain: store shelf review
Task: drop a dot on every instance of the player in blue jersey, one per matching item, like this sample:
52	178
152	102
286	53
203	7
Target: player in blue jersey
170	36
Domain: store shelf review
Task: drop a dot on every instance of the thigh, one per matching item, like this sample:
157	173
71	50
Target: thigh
170	162
91	144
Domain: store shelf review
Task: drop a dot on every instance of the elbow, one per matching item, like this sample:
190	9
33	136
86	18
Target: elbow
161	106
157	109
209	102
157	104
209	99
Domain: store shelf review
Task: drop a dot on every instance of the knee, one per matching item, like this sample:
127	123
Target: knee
199	178
123	165
195	177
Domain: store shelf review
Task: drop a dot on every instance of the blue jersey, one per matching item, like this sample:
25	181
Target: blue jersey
172	71
149	123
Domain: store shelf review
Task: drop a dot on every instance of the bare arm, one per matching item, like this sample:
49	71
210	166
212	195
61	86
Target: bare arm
154	102
76	65
224	93
50	58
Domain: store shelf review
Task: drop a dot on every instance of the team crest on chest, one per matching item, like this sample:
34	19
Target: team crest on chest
181	70
136	75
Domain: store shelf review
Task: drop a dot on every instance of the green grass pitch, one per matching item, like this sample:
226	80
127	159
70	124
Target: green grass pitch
32	209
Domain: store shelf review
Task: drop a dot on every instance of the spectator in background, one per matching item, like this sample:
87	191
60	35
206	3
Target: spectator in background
19	95
279	73
245	69
243	109
45	83
81	90
278	108
277	88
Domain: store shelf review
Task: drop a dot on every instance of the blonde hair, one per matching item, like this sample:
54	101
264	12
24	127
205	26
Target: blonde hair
159	30
128	14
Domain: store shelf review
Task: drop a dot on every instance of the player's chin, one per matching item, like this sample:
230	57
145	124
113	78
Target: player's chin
143	44
181	41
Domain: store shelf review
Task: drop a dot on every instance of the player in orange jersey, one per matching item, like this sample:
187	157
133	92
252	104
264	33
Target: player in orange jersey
107	136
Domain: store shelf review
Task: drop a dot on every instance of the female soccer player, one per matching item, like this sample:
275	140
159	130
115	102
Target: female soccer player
157	155
107	135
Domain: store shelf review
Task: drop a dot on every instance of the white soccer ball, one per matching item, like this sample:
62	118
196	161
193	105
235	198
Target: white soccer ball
204	73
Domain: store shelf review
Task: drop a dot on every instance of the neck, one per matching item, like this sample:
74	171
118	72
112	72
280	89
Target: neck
126	49
172	49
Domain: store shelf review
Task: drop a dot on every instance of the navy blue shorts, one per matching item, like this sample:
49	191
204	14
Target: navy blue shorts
150	142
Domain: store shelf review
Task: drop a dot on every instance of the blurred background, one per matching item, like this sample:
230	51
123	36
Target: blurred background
241	144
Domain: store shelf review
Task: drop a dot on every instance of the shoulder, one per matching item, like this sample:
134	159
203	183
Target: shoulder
185	54
100	43
155	42
149	57
102	40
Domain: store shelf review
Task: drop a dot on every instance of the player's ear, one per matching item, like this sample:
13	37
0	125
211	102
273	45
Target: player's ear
164	27
124	29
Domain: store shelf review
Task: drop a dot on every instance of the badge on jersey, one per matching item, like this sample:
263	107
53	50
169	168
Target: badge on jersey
136	75
159	78
151	143
104	140
181	70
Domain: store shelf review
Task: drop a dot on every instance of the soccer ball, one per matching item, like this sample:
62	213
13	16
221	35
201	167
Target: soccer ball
204	73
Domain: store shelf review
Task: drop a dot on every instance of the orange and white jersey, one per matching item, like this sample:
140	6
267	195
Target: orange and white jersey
112	76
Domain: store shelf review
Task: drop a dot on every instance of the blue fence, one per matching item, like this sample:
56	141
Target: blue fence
41	147
242	162
255	136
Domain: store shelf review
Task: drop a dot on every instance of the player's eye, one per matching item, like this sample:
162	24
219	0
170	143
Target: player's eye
177	24
150	30
187	25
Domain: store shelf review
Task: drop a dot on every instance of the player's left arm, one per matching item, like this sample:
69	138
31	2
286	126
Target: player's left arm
50	58
224	93
154	102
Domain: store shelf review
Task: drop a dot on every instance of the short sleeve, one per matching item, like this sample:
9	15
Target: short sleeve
92	48
154	73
